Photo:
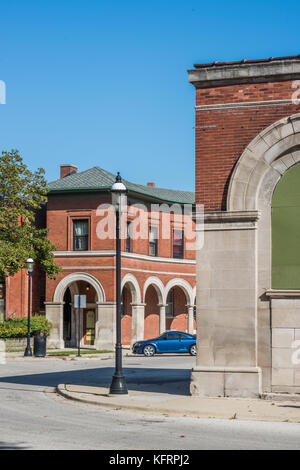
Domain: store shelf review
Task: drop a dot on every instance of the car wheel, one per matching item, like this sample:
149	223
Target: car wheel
149	350
193	350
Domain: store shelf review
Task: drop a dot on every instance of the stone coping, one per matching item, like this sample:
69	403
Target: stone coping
236	73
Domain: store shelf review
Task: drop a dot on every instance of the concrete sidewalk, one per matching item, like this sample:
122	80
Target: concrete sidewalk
274	409
71	357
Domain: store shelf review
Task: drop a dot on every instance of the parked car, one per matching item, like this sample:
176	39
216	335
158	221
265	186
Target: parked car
169	342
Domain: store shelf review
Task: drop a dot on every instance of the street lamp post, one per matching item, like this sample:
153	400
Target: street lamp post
119	200
29	265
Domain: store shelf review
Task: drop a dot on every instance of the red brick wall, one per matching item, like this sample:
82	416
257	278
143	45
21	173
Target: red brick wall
180	321
151	313
126	322
218	148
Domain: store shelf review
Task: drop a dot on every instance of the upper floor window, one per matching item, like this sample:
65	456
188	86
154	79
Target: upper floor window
178	244
153	241
128	238
80	235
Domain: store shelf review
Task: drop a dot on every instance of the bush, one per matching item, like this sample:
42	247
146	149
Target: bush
17	327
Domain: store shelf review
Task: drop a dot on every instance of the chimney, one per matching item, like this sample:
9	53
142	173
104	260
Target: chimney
151	184
66	170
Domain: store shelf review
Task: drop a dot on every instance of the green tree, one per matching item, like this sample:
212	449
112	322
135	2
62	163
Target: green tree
23	194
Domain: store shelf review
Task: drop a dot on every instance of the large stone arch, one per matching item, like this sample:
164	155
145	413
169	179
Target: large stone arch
244	230
262	164
71	278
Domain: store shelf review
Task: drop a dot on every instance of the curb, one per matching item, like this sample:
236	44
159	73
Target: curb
106	401
61	390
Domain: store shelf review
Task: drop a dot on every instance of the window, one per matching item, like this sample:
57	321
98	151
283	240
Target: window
80	235
285	231
173	336
128	238
170	305
178	243
153	241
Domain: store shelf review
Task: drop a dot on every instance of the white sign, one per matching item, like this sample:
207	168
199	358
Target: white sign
80	301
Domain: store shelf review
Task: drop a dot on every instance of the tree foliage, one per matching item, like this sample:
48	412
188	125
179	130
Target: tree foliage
23	194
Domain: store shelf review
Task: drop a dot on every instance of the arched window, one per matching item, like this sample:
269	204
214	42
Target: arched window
286	231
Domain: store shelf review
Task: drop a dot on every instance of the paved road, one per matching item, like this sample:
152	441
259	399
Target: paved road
33	417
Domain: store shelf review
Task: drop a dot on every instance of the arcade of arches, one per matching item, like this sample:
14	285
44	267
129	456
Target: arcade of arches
144	316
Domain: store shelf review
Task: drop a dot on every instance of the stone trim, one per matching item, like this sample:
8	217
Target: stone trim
249	104
282	293
68	268
231	216
258	72
248	370
109	253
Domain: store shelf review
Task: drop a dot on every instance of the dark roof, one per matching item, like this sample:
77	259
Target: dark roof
245	61
97	179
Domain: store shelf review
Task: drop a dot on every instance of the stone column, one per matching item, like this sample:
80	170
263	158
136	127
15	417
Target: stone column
190	309
226	363
105	334
138	321
162	318
54	313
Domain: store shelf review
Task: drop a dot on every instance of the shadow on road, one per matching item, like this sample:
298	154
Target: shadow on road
13	446
171	381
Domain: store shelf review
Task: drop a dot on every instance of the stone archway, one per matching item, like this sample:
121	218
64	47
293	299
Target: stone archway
182	316
267	158
133	324
54	309
153	295
234	311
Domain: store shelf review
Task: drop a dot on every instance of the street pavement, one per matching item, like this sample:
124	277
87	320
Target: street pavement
33	416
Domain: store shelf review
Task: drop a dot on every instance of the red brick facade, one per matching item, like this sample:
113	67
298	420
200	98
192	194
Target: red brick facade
98	261
232	128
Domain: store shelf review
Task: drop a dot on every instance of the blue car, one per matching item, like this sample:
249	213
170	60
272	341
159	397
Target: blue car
169	342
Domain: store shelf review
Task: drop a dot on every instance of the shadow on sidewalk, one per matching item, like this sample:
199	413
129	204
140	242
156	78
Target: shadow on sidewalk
170	381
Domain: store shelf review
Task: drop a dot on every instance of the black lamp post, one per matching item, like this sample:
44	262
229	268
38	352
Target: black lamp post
119	201
29	265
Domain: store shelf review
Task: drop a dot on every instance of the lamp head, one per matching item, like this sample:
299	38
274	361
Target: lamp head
29	265
118	192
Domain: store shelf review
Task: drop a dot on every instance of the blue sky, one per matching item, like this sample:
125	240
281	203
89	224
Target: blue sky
94	82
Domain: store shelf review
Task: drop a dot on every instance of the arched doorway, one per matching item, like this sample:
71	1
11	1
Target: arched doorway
64	317
126	319
179	305
151	327
176	310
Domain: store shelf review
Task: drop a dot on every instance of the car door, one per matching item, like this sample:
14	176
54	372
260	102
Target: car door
171	343
186	342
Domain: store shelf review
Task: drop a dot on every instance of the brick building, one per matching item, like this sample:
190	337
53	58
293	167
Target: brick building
158	272
248	272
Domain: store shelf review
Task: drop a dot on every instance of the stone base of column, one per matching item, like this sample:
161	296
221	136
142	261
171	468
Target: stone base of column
105	337
54	313
244	382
